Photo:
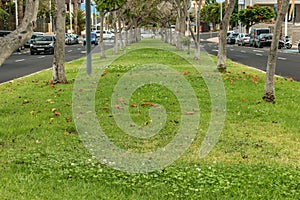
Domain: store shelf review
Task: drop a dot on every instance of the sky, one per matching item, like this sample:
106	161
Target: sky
93	8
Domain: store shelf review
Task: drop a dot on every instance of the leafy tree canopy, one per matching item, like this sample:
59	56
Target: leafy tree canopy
255	14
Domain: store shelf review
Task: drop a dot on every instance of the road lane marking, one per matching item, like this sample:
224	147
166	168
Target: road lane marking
258	54
281	58
242	51
83	52
231	49
215	50
20	60
70	51
41	56
259	51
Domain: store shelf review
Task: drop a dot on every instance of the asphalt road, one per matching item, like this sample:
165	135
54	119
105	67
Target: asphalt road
288	64
22	64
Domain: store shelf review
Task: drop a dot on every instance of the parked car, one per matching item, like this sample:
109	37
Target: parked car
94	39
43	44
147	35
255	32
71	39
263	40
242	39
108	35
98	33
67	38
231	38
34	35
4	33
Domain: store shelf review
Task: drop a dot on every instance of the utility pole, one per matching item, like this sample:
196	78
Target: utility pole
221	11
16	5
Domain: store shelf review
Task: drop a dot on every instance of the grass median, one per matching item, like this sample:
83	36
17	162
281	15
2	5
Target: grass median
256	156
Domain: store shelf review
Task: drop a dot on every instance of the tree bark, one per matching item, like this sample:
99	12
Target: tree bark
58	68
76	17
116	38
120	32
20	11
102	52
269	92
18	37
221	63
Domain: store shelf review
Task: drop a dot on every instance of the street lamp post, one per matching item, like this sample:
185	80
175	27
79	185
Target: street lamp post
16	5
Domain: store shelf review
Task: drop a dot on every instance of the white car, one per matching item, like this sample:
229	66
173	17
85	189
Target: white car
107	35
147	35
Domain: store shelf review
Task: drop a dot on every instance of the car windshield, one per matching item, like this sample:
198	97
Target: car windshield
263	31
44	38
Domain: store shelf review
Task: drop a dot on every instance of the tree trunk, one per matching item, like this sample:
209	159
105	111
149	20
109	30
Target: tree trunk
126	38
269	92
279	6
102	52
120	33
76	29
197	37
135	34
116	38
19	36
58	68
221	65
20	11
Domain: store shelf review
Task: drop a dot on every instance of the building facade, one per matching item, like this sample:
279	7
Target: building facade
293	13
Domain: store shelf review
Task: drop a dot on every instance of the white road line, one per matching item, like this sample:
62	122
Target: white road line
20	60
281	58
78	48
258	51
242	51
215	50
41	56
83	52
258	54
231	49
70	51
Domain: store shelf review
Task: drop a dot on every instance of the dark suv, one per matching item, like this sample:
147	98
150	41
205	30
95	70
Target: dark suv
263	40
43	44
255	32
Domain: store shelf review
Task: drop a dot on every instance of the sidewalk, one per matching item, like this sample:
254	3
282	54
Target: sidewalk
214	39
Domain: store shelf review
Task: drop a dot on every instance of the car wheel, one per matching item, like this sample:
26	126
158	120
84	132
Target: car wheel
289	46
259	45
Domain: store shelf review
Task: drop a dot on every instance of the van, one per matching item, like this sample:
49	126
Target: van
256	32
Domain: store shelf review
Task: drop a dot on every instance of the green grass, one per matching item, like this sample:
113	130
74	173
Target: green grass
257	155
